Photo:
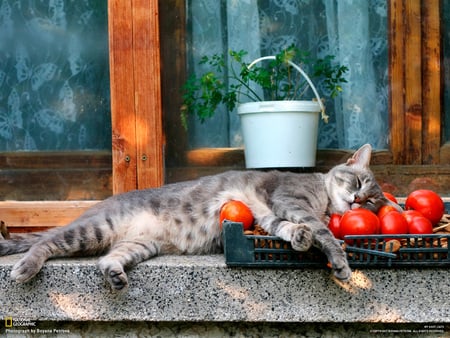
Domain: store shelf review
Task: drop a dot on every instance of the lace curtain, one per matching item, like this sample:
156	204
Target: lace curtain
54	75
355	31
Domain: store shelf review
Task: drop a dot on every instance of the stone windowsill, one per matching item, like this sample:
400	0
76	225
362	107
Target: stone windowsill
203	288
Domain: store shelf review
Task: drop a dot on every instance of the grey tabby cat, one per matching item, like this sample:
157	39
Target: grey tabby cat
182	218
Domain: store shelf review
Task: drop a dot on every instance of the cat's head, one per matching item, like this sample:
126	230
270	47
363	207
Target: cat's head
352	185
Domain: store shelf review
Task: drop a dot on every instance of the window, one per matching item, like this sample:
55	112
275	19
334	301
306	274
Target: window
135	126
411	150
354	32
146	73
55	117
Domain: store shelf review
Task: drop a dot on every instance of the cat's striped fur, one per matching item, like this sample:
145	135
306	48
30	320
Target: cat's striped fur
182	218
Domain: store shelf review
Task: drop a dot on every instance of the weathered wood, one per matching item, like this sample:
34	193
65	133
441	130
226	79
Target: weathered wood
26	216
397	179
396	79
216	157
401	180
331	157
413	82
120	27
135	94
234	157
147	82
69	184
432	82
55	160
28	176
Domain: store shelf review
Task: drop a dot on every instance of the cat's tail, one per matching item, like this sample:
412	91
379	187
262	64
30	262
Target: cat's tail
84	236
74	239
18	243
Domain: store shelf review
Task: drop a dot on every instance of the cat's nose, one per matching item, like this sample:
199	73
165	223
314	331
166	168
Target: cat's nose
357	199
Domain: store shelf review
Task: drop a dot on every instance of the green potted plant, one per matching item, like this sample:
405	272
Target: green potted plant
279	128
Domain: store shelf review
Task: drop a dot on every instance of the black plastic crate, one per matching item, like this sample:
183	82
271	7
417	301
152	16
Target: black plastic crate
416	251
364	251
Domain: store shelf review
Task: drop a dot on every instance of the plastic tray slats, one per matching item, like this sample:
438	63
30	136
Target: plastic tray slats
254	251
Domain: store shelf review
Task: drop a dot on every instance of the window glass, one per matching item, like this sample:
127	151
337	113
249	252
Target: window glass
54	75
355	32
55	118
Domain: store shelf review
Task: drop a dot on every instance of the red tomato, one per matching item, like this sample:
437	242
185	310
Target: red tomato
384	210
359	222
410	214
391	197
237	211
420	225
335	225
417	223
393	223
428	203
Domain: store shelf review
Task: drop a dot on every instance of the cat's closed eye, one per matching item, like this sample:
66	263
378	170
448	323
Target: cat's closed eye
358	183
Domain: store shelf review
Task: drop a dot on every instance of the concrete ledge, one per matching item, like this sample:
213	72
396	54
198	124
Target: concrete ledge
204	289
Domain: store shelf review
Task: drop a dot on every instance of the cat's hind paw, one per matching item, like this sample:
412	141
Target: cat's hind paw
302	238
114	273
117	279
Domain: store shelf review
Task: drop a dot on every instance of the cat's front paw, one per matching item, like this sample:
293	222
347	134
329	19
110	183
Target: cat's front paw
25	269
341	269
302	238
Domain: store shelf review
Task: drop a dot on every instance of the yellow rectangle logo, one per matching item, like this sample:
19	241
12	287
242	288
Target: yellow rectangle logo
8	322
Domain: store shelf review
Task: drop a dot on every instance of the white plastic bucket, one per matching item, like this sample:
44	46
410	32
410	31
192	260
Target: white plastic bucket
280	133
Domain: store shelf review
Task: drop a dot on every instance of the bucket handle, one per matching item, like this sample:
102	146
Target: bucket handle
271	57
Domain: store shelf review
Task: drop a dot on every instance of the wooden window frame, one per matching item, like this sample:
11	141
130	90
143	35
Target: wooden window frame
416	82
418	156
136	115
137	132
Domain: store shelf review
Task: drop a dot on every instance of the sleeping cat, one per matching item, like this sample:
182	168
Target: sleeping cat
183	218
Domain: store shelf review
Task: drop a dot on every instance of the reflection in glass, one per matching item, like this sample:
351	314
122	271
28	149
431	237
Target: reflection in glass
354	31
54	75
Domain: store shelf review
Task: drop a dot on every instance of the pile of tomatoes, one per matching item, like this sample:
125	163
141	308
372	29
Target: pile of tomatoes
423	210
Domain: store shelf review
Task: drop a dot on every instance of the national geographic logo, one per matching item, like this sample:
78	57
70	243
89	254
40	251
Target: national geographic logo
18	322
24	326
8	322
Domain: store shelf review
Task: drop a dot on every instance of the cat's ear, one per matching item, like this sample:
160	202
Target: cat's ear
361	157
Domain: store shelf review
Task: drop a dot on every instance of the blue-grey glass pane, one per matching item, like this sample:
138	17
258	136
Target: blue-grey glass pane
355	32
54	75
